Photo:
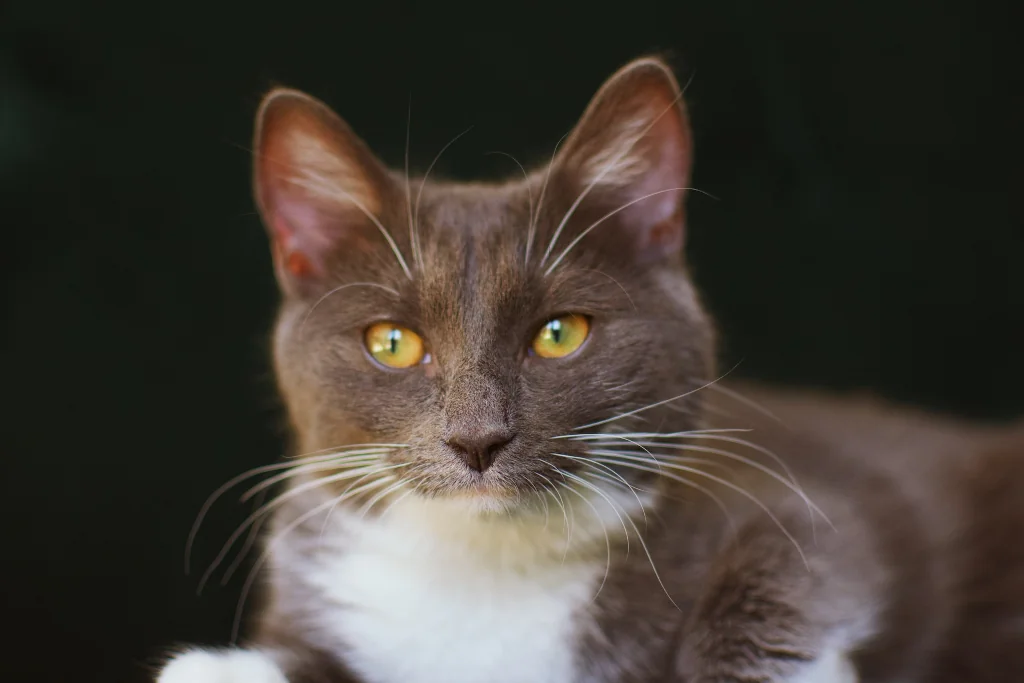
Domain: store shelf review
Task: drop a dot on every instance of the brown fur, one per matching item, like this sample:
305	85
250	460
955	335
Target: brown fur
922	577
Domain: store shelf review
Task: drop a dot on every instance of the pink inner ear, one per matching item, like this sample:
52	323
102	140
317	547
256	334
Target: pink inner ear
315	187
298	233
286	254
659	219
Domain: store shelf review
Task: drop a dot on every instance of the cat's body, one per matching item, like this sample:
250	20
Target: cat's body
510	530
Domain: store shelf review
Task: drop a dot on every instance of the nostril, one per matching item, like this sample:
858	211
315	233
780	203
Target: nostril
478	450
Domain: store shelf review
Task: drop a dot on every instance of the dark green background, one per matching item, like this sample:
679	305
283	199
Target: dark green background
868	233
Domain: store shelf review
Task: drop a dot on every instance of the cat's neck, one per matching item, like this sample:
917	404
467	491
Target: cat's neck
555	530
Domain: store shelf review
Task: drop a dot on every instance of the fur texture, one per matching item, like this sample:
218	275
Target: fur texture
636	518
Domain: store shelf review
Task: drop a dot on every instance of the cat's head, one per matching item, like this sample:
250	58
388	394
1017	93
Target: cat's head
473	327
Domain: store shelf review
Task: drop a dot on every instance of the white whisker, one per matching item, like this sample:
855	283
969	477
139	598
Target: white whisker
655	460
655	405
417	258
277	539
592	463
738	489
412	489
372	473
277	502
378	497
750	403
600	176
338	289
332	189
419	192
602	219
617	283
531	233
300	469
642	435
526	178
643	544
607	541
250	539
565	513
330	453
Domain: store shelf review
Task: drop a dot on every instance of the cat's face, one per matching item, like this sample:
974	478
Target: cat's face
472	326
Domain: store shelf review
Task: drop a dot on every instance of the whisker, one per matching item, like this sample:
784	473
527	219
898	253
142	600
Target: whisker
277	502
372	473
300	469
277	539
615	508
617	283
769	453
600	176
659	403
536	215
419	192
248	474
226	577
250	539
592	463
565	514
411	483
310	184
607	541
417	258
609	480
378	497
788	483
643	544
740	490
338	289
657	461
686	482
547	508
750	403
643	435
602	219
526	178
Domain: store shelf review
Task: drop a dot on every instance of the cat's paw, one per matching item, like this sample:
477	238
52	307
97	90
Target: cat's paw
225	666
831	667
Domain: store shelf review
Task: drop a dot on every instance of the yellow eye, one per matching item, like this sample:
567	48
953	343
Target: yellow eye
561	336
393	345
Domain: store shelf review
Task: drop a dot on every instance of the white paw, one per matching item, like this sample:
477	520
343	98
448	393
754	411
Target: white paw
225	666
832	666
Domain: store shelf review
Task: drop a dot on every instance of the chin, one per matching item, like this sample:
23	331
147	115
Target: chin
481	501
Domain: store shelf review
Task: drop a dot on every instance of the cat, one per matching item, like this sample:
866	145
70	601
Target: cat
520	462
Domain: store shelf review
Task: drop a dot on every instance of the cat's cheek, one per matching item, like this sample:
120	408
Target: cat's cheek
227	666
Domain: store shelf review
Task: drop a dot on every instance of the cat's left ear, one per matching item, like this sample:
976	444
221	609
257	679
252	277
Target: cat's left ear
318	186
632	148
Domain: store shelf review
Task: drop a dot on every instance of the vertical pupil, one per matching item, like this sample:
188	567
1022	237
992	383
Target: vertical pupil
393	338
556	331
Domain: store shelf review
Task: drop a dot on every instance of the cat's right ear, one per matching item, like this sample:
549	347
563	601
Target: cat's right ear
318	187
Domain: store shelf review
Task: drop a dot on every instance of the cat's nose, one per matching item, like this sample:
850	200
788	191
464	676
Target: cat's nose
478	447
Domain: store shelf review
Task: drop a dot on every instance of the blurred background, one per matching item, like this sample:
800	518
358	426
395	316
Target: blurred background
868	234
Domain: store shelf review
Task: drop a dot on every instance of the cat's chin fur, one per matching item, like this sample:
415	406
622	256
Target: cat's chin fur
506	530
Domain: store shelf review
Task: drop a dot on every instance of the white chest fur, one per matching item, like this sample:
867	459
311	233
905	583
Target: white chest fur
431	599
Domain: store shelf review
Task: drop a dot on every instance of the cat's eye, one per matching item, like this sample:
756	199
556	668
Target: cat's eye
394	346
561	336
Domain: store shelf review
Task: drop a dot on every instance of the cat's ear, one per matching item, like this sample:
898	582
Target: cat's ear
632	148
318	187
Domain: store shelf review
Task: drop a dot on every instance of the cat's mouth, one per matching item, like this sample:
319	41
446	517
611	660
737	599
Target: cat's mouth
485	489
485	496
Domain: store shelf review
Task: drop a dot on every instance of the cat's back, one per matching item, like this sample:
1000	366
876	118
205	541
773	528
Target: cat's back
964	478
929	452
